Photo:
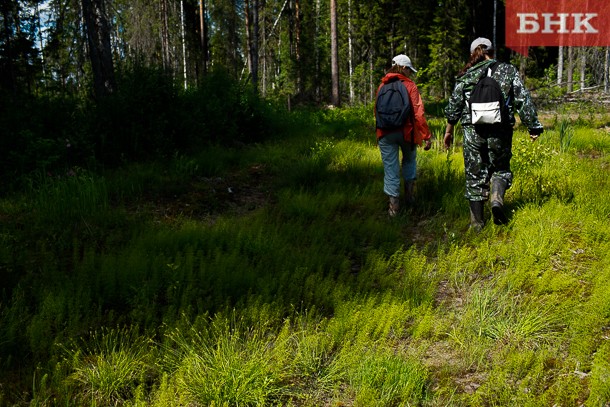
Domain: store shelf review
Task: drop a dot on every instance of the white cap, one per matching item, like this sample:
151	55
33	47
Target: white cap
480	41
403	60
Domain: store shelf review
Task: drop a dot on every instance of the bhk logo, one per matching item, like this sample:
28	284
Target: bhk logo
582	23
560	23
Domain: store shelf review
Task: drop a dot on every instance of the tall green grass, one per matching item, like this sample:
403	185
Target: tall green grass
156	286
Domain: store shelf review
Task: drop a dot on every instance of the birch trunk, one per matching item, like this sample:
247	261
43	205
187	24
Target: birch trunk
350	50
570	72
297	45
606	68
164	35
560	66
334	54
183	39
583	68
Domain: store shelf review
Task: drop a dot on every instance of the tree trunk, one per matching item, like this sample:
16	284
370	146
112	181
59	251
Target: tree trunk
8	80
334	54
297	45
249	44
318	91
252	30
570	69
350	51
606	68
40	41
372	89
255	40
100	53
583	68
264	53
165	35
203	33
560	66
183	39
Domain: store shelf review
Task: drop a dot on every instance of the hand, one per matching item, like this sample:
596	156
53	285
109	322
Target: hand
428	145
448	139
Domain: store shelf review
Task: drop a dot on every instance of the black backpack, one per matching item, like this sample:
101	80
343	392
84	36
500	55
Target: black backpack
488	108
393	106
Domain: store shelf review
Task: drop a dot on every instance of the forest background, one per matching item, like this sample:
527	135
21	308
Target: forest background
191	212
162	62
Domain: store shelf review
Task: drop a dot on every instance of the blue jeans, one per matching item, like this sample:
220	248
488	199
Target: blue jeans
389	145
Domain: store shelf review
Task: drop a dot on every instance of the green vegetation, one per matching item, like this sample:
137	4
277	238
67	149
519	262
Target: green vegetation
268	274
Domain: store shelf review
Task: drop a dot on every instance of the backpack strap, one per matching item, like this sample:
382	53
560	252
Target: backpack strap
491	69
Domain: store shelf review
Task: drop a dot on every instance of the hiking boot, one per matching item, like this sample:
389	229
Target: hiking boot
410	191
476	215
394	206
498	188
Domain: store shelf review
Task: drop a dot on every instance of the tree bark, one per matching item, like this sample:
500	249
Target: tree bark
560	66
183	39
165	35
248	34
252	30
203	32
318	90
255	45
350	52
100	52
583	68
297	46
606	67
9	80
334	54
570	72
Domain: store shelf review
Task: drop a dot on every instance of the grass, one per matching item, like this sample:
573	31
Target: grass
271	275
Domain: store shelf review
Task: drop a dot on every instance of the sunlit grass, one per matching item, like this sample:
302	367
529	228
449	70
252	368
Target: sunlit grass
109	367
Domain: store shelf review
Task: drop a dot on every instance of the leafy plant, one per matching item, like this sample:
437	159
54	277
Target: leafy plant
566	134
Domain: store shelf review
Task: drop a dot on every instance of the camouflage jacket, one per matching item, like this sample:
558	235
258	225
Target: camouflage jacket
513	89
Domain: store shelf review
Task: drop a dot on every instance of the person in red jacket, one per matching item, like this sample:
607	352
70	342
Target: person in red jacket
406	139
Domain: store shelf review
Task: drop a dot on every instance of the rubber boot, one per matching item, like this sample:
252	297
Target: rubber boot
498	188
476	215
394	206
410	191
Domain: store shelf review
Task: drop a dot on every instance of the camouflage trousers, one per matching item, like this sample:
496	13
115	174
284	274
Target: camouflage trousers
486	156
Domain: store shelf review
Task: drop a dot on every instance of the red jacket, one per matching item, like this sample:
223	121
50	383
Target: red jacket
416	126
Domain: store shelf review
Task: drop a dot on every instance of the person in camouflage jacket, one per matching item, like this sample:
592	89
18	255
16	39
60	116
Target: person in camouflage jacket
487	154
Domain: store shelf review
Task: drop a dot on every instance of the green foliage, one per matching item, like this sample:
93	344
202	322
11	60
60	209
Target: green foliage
600	376
383	378
445	52
501	317
566	134
546	86
137	121
220	364
41	134
533	166
108	367
69	199
148	118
